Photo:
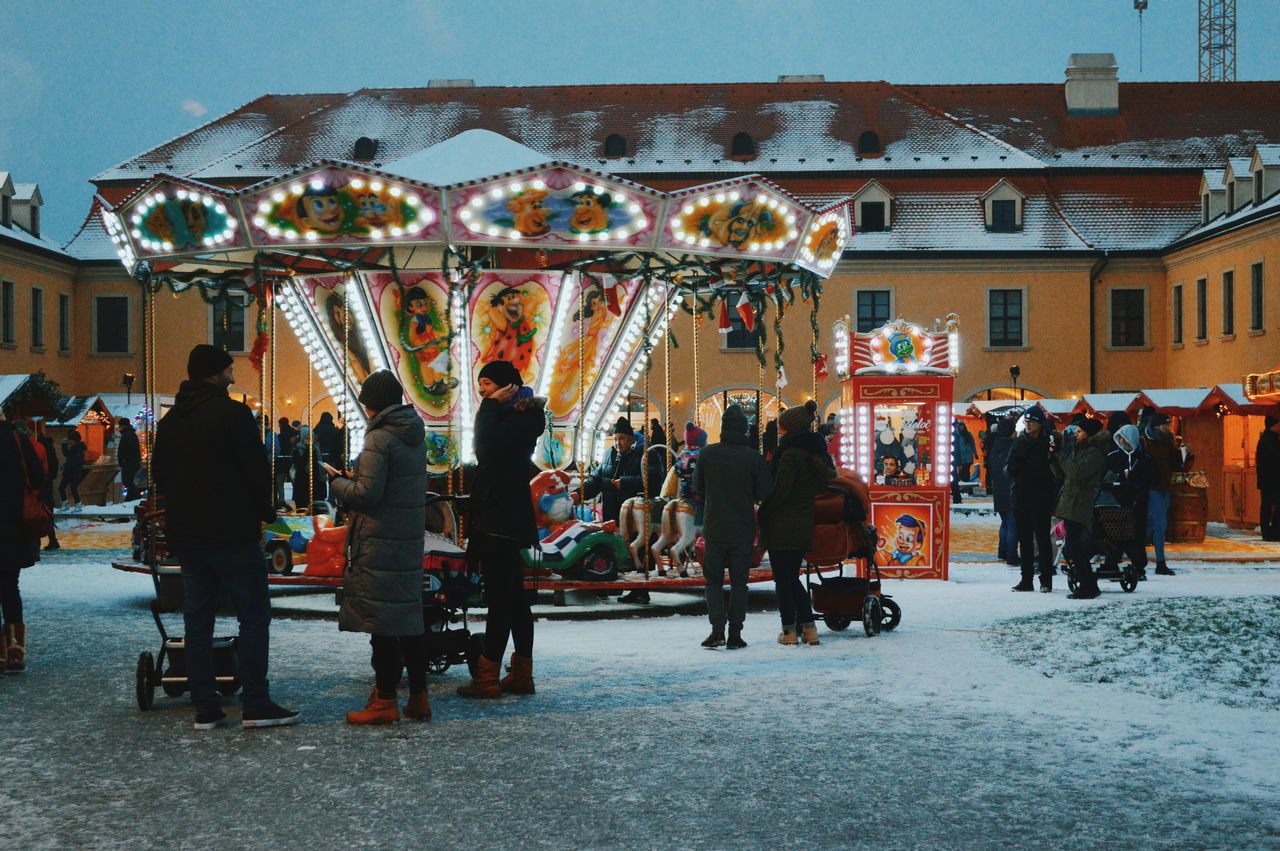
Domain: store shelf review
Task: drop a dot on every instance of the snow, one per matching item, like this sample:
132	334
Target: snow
928	736
9	384
1109	403
18	234
468	156
1181	399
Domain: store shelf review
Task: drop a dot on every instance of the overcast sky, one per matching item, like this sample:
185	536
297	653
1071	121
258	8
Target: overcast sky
85	84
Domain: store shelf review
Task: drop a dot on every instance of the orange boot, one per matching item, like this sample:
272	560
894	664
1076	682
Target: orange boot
485	682
519	678
15	644
379	710
419	706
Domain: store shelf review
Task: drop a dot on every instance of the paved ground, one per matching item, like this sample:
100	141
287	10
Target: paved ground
637	738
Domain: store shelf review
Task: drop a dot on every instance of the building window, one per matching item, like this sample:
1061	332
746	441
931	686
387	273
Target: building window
111	324
8	334
868	143
1128	317
739	338
615	146
1202	309
226	318
1257	188
1004	318
1255	297
37	317
1231	198
1204	208
742	146
1177	315
873	309
6	210
1004	216
64	322
1228	303
873	217
35	220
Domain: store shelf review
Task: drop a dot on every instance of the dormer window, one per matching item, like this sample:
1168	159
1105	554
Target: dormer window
1257	187
34	217
365	149
615	146
1204	209
869	144
872	208
1231	196
6	210
743	147
1003	207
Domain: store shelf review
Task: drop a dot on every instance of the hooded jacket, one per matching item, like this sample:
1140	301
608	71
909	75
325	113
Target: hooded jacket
1081	466
386	497
501	505
1130	472
732	477
212	469
997	456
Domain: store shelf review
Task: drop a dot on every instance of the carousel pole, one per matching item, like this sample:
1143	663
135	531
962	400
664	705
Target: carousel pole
644	456
697	332
666	370
579	443
269	286
311	440
346	368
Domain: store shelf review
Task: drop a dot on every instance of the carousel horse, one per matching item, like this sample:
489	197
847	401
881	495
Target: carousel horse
679	529
640	519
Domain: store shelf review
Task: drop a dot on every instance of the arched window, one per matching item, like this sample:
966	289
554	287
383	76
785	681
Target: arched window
869	143
365	149
615	146
743	146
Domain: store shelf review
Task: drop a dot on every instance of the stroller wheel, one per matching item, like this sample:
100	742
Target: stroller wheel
173	689
892	614
144	681
438	664
837	622
1129	579
872	614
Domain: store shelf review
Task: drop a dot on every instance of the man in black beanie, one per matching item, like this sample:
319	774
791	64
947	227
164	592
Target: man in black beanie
213	472
619	477
1267	457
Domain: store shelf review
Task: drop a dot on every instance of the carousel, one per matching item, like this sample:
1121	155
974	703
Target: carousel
479	249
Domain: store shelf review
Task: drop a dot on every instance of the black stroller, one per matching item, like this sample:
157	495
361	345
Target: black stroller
450	589
1114	529
168	668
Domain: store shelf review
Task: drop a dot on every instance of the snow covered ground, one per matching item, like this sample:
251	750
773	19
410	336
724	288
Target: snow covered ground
970	726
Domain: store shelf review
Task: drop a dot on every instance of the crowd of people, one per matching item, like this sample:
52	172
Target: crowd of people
1036	475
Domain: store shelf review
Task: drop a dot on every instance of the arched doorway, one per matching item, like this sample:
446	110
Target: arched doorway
711	407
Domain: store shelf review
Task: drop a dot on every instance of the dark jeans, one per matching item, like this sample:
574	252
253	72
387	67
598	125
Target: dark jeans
735	557
1033	540
509	614
1079	548
242	573
1270	519
10	598
128	490
393	654
71	478
1008	541
793	597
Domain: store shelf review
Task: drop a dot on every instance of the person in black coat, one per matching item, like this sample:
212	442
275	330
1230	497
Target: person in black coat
1130	473
329	441
509	422
619	478
16	549
1267	458
998	449
73	450
129	454
1033	493
213	472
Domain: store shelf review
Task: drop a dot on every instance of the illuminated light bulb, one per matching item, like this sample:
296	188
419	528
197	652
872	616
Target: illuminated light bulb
704	242
583	237
413	200
642	223
477	201
514	234
311	235
263	206
375	234
296	189
475	226
375	185
413	227
493	231
623	233
720	197
516	187
495	193
704	201
168	246
395	191
159	197
259	221
204	199
397	231
579	186
357	183
137	234
136	219
277	197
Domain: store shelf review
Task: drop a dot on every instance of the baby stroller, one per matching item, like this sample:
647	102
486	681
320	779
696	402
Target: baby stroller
450	588
1114	529
168	668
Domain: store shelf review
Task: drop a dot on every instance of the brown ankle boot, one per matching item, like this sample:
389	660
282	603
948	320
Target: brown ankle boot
419	706
485	682
15	643
810	635
379	710
519	678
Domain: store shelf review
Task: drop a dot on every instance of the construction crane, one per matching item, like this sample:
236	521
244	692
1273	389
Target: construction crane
1141	6
1217	41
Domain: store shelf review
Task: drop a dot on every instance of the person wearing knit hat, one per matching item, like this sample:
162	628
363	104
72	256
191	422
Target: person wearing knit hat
211	467
1158	441
732	478
1080	464
620	477
800	468
694	436
381	390
677	536
508	423
1031	492
1267	458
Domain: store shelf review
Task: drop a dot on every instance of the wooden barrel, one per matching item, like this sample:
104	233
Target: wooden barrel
1188	509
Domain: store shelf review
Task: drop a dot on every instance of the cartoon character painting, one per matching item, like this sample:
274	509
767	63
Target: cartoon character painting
196	219
319	208
157	222
508	323
373	212
733	225
907	547
598	326
590	211
347	337
425	342
529	215
902	347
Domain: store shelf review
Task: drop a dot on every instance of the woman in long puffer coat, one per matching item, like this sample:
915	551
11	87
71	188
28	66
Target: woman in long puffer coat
385	497
1081	463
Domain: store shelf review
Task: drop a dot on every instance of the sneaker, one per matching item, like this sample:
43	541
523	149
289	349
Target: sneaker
715	639
1046	589
210	720
274	715
1163	570
56	546
640	598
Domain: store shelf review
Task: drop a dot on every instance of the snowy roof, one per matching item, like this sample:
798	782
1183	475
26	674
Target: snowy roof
1178	401
91	241
6	183
1227	221
1107	403
1057	407
1268	155
471	155
1238	168
130	405
9	385
16	233
74	409
27	192
1215	179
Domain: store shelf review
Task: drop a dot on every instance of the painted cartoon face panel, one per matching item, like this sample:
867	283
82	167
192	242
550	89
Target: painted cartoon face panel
414	318
903	532
335	204
744	219
509	321
590	212
586	340
174	218
320	209
529	215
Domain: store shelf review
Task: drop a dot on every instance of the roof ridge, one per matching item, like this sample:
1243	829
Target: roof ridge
1052	198
1000	143
97	203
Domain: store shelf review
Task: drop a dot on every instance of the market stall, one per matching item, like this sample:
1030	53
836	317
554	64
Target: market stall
895	433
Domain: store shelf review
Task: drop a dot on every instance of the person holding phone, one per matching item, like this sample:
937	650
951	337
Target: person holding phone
508	424
385	496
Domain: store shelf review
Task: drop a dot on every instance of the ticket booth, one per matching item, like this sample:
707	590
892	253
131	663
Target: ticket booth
895	432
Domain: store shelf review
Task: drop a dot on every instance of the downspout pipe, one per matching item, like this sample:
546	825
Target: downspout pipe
1094	274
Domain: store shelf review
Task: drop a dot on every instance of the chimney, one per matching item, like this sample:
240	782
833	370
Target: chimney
1093	86
451	84
802	78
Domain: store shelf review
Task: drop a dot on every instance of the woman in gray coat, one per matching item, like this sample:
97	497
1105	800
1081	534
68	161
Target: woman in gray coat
385	498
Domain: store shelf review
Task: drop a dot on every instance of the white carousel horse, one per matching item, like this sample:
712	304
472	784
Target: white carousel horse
679	531
635	519
673	534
